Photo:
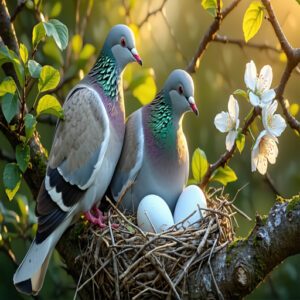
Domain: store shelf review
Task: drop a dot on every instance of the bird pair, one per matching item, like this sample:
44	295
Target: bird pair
89	148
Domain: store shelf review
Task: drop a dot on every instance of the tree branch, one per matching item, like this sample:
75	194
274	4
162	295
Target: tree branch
34	175
152	13
293	59
238	268
228	154
242	44
209	35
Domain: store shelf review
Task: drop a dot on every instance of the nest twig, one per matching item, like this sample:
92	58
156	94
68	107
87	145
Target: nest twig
126	263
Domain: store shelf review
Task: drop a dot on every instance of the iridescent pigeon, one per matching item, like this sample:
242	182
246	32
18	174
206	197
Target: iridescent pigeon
155	158
85	151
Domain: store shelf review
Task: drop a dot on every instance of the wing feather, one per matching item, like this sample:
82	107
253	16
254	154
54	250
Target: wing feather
131	158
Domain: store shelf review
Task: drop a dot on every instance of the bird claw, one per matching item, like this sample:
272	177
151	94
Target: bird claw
99	218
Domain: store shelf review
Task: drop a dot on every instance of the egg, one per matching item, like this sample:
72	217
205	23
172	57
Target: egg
188	202
154	215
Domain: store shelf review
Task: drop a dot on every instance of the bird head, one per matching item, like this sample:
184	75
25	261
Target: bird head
180	87
122	44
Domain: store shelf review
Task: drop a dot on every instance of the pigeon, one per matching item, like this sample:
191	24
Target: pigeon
86	148
155	158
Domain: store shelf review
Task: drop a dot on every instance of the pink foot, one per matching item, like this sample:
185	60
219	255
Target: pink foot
98	218
95	220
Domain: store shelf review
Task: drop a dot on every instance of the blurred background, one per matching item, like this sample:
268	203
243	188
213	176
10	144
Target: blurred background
166	40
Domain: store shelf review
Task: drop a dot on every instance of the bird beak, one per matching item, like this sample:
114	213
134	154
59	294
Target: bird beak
136	56
193	105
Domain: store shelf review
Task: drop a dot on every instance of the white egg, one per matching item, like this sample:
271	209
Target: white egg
188	202
154	214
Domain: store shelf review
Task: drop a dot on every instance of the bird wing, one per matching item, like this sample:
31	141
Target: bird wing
78	149
131	158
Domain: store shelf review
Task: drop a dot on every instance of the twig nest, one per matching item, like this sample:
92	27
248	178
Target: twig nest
128	263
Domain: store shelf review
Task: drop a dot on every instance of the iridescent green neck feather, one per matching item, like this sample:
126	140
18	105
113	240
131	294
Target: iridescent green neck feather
107	74
161	120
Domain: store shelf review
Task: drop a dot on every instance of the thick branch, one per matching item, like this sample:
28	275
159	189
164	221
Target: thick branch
209	35
238	268
245	263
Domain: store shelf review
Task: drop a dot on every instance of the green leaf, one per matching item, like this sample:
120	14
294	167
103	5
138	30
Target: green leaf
22	156
192	181
87	51
76	43
240	142
23	206
211	6
240	92
58	31
199	164
8	85
38	34
23	53
224	175
7	55
298	1
10	106
56	9
11	179
30	124
49	79
34	68
48	104
146	91
253	19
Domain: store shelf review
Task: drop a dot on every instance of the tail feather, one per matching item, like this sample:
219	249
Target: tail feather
29	277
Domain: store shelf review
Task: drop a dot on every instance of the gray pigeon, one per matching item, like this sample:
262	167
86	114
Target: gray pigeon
84	154
155	158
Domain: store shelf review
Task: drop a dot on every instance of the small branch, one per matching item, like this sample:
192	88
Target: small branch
19	8
293	59
242	44
228	154
209	35
152	13
285	45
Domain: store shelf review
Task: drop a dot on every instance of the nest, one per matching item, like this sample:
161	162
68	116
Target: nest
126	263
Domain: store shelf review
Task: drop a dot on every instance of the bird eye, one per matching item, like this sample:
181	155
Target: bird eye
180	90
123	42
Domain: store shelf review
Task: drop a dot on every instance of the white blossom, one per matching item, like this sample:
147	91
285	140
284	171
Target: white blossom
265	150
260	93
274	124
229	122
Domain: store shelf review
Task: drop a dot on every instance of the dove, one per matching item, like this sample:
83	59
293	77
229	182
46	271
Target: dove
85	150
155	158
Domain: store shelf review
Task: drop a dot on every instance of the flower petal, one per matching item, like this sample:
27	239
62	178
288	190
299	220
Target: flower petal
250	76
267	96
223	122
277	125
255	151
265	78
254	99
230	139
267	114
271	149
233	108
262	164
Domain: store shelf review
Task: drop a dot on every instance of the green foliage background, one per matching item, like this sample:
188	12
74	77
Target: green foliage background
166	43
